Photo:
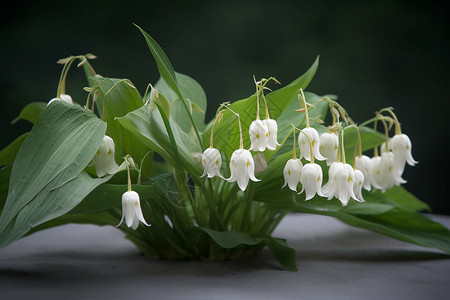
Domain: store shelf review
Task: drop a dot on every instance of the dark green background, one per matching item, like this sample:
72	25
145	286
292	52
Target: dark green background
372	54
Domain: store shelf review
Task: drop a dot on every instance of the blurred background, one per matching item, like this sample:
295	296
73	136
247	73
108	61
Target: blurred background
372	54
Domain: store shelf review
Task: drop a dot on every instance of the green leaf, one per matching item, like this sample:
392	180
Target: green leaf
284	254
31	112
8	154
195	96
231	239
5	173
60	145
168	75
164	66
398	196
397	223
53	201
119	97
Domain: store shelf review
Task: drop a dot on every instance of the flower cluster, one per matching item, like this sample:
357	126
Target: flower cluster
345	181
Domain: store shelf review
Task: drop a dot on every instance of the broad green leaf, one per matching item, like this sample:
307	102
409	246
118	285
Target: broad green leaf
60	145
53	201
119	96
101	219
8	154
31	112
366	208
397	223
195	96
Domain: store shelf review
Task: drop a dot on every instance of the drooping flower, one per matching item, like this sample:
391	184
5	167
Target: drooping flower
260	162
341	181
384	173
103	160
401	147
292	172
242	168
272	126
259	135
211	161
311	180
131	210
358	185
304	144
63	97
329	143
364	164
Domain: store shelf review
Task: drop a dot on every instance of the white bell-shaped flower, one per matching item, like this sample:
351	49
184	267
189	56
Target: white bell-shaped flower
329	189
329	143
358	185
259	135
260	162
131	210
311	180
304	142
292	172
242	168
401	147
103	160
384	173
211	161
364	164
340	184
63	97
272	126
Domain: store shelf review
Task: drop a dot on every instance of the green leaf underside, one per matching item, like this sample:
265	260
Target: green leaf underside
58	148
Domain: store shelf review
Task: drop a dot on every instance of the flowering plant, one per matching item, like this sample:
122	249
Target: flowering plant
182	189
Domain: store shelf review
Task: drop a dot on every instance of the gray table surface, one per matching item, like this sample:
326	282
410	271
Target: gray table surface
335	261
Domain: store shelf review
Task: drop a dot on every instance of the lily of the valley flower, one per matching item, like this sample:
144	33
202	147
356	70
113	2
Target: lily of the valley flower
304	144
292	172
364	164
272	126
259	135
384	173
340	184
103	160
63	97
242	168
401	147
211	161
131	210
329	143
358	185
260	162
311	180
